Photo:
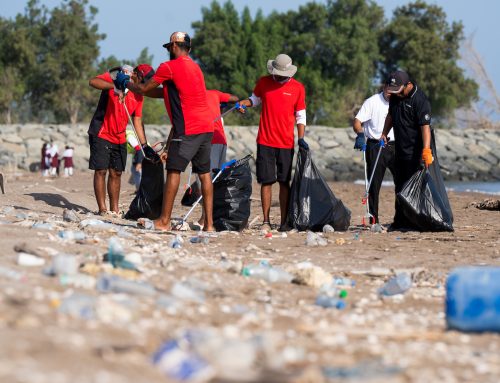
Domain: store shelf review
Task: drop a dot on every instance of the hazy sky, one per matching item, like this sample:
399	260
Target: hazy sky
132	25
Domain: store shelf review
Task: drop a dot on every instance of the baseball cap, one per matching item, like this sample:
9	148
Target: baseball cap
178	37
396	81
145	70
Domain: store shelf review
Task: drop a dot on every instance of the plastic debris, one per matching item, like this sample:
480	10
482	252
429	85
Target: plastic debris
63	264
79	305
8	273
116	255
200	239
399	284
95	224
78	280
43	226
25	259
70	216
72	235
328	229
314	239
114	284
377	228
267	273
176	242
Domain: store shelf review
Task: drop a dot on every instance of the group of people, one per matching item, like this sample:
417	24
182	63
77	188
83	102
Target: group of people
399	117
50	160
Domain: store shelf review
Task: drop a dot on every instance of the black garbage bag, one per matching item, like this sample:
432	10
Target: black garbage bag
312	203
148	200
424	200
191	195
232	192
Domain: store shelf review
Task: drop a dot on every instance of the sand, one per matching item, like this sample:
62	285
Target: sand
399	339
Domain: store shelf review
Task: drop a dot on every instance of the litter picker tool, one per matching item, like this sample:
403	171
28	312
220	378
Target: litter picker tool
234	107
368	183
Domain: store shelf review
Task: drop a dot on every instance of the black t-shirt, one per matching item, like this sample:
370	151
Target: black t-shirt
408	115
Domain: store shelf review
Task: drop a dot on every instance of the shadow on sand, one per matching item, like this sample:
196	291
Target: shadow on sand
57	200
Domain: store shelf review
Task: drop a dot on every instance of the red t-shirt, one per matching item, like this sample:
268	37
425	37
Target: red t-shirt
279	104
115	120
214	98
185	96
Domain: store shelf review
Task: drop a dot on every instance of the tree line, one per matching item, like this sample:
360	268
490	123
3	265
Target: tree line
343	48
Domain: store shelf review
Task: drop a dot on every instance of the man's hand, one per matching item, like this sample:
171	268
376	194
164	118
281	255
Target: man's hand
360	142
121	81
242	105
384	138
150	154
427	157
303	144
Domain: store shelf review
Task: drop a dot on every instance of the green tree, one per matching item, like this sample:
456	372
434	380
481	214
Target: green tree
419	40
68	54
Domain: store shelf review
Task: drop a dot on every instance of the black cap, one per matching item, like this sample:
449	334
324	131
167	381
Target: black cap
396	81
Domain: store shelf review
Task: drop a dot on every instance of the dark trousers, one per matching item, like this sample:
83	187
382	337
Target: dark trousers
405	169
386	161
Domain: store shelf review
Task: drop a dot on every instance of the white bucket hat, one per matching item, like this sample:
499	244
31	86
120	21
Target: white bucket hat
281	66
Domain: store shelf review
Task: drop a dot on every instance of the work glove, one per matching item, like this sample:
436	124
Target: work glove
303	144
360	142
150	154
427	157
121	81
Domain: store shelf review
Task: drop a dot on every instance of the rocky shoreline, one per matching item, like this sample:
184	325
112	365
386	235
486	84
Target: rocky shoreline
464	155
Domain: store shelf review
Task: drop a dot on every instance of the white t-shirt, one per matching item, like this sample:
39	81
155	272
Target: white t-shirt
372	115
68	153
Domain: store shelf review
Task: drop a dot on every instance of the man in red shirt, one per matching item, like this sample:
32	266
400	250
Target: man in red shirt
108	151
283	106
190	138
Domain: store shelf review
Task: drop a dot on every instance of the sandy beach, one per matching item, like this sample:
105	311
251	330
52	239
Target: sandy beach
254	330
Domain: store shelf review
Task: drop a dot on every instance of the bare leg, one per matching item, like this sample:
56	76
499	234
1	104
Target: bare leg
114	184
170	191
100	189
266	191
284	200
201	221
207	191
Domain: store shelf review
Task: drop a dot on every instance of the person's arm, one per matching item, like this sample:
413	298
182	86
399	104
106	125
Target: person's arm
357	127
139	128
426	136
145	88
155	93
99	83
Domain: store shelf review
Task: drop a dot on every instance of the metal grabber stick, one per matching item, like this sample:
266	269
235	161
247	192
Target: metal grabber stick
367	185
133	127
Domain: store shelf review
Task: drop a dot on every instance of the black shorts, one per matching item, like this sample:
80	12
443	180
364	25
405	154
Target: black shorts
106	155
194	148
273	164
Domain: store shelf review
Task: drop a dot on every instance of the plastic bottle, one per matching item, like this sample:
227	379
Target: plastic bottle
78	280
79	305
314	239
70	234
185	292
114	284
267	273
116	255
5	272
473	299
396	285
329	302
176	242
200	239
63	264
332	290
25	259
340	281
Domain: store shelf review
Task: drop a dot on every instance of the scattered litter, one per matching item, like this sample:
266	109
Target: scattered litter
43	226
340	241
72	235
200	239
176	242
328	229
25	259
267	272
62	264
377	228
396	285
314	239
115	284
305	273
70	216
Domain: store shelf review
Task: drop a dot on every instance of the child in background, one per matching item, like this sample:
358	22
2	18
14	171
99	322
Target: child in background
68	161
54	160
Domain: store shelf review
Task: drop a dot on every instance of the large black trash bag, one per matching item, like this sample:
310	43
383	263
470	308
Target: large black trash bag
232	192
424	200
312	203
148	200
